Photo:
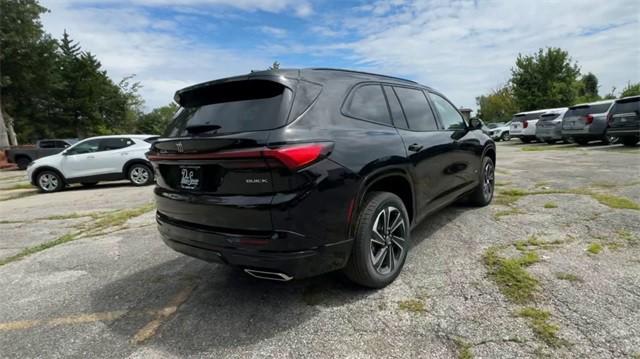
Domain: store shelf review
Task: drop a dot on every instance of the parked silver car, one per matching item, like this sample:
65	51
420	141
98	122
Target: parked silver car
549	127
587	122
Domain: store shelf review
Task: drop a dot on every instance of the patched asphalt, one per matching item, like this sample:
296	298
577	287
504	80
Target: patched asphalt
123	293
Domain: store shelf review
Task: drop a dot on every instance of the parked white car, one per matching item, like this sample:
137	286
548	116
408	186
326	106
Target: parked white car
523	124
95	159
501	132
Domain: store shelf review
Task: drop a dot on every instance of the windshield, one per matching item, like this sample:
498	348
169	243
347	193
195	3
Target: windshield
239	106
626	106
526	116
587	110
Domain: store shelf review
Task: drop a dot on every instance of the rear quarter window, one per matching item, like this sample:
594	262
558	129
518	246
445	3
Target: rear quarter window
367	102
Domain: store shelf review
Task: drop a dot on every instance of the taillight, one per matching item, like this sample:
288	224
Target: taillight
298	156
588	119
292	156
525	124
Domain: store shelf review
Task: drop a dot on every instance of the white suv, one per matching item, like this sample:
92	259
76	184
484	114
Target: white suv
103	158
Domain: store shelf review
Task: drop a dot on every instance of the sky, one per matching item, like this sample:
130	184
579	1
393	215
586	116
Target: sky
463	48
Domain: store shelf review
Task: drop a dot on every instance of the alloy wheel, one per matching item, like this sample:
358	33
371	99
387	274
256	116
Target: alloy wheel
488	181
139	175
48	182
388	239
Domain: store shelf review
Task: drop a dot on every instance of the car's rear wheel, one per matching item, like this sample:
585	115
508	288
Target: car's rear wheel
630	141
381	241
49	181
140	175
525	139
505	136
23	162
483	193
582	141
609	140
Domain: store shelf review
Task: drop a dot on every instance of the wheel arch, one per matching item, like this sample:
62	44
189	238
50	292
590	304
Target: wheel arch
39	170
396	181
489	150
134	161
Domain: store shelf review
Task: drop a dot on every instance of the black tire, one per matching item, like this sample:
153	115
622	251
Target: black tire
505	136
49	181
23	162
550	142
483	193
89	184
609	140
368	245
630	141
140	174
582	141
525	139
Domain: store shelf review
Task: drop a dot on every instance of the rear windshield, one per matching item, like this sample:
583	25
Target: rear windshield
587	110
626	106
549	116
527	116
238	106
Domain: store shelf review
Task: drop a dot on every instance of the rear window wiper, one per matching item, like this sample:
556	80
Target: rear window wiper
194	129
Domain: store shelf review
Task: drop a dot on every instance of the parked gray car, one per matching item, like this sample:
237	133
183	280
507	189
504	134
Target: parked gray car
587	122
624	120
549	127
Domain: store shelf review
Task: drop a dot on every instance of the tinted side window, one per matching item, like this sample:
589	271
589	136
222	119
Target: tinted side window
367	102
396	110
47	144
450	117
85	147
108	144
61	144
416	109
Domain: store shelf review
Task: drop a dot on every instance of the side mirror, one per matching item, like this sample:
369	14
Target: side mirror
475	124
64	153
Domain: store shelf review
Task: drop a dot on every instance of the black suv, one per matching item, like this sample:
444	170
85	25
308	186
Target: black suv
293	173
624	120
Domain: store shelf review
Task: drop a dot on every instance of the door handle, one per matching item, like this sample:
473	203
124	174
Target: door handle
415	147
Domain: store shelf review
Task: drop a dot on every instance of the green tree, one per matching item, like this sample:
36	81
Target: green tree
631	90
545	79
28	75
587	88
498	106
156	121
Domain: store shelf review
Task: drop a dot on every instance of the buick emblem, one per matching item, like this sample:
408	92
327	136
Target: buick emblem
179	147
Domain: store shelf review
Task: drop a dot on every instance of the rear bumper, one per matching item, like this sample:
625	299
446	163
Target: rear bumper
250	250
623	132
549	133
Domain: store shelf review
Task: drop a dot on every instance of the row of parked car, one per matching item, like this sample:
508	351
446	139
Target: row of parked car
608	121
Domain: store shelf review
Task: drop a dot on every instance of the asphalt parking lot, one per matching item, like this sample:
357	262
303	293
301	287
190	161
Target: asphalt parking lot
551	268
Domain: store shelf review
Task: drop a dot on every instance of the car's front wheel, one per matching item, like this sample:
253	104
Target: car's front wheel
382	241
140	175
630	141
505	136
49	181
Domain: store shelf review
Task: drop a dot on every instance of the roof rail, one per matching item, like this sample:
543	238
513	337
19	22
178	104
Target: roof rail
362	72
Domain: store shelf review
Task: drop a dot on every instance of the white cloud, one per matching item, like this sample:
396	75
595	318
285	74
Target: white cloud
274	31
129	41
464	49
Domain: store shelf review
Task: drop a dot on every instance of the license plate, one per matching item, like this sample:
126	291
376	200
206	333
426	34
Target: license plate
190	177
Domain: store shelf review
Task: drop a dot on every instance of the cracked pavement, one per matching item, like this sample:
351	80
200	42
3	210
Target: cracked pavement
125	294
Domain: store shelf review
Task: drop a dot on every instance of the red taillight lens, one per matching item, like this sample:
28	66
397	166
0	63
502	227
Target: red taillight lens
292	156
588	119
525	124
297	156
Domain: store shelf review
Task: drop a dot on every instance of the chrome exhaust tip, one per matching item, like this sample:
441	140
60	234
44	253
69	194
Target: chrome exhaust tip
268	275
